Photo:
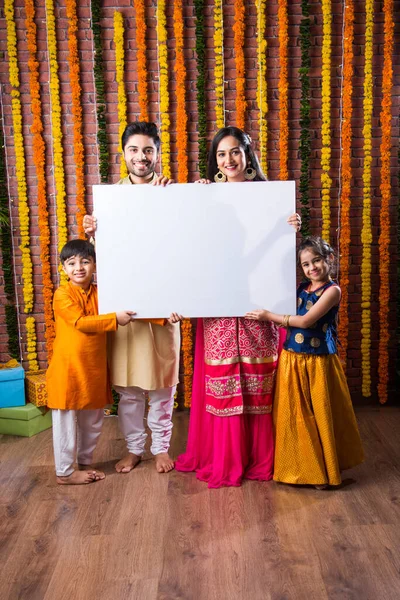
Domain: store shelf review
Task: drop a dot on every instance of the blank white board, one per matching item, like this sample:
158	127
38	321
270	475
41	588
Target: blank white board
199	250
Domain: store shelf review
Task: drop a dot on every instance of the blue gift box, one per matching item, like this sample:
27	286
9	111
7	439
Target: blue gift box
12	391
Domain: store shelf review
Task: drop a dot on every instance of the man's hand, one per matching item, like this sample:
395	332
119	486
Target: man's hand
295	221
125	316
162	180
175	318
89	225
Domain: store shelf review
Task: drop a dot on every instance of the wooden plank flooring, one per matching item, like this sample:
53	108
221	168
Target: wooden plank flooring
159	537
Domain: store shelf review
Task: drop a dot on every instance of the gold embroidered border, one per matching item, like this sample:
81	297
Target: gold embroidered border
242	359
239	410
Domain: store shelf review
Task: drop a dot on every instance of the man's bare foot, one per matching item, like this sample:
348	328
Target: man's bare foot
80	477
126	464
164	462
99	474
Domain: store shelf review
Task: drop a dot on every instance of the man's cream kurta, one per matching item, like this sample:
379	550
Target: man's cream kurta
144	354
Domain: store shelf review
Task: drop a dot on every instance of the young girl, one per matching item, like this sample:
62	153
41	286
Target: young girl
316	430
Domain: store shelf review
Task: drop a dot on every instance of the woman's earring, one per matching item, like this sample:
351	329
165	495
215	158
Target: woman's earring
250	174
219	177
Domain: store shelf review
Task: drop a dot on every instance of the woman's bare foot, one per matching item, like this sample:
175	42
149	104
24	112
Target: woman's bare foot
164	462
80	477
126	464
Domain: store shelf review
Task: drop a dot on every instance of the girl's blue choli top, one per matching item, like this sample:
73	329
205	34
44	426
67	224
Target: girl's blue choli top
321	337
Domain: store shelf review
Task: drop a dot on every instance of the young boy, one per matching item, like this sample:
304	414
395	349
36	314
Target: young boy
77	378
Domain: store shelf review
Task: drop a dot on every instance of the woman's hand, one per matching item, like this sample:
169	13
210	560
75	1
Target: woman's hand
258	315
162	180
174	318
203	180
125	316
89	224
295	221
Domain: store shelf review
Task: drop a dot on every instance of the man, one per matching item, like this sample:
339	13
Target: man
144	355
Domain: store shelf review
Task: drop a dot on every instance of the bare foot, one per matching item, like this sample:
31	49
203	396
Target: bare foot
164	462
321	487
99	474
126	464
80	477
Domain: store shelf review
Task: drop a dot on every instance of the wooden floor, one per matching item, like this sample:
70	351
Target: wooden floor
148	536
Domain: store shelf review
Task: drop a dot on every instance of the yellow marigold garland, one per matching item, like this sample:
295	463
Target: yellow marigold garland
366	233
39	159
238	29
164	93
181	114
31	344
141	59
384	238
219	64
79	153
283	88
262	100
120	70
326	181
345	200
58	151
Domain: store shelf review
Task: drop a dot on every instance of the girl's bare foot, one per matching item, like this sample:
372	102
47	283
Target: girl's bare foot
164	462
126	464
80	477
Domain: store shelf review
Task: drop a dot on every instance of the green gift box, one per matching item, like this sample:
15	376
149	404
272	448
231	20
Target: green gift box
25	420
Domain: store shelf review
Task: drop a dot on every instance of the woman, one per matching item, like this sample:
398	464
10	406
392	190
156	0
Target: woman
230	431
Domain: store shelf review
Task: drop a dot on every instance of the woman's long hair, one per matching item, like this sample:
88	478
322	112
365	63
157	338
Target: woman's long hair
244	142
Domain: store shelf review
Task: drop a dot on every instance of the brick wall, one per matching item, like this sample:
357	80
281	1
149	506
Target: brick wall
89	116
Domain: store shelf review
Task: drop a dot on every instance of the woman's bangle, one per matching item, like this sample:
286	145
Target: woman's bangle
285	321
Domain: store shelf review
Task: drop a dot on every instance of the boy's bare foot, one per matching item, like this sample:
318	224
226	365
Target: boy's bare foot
126	464
80	477
164	462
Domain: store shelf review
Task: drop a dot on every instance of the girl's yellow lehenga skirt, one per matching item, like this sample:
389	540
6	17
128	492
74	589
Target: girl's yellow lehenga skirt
316	433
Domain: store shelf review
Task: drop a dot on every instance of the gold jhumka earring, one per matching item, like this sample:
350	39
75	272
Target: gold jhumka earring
219	177
250	174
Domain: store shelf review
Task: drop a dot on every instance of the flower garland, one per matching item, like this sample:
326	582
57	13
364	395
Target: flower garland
31	344
366	233
283	88
238	29
164	93
187	352
201	86
345	197
59	174
120	69
384	238
79	153
141	59
305	119
39	159
101	106
219	64
181	114
326	181
262	99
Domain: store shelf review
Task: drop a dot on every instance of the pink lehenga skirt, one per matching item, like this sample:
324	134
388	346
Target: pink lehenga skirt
223	450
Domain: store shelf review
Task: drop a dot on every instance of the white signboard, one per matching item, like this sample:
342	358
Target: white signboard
199	250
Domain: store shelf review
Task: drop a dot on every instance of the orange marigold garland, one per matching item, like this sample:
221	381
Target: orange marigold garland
345	199
76	91
181	114
141	58
120	71
384	238
187	352
39	158
326	180
239	28
283	88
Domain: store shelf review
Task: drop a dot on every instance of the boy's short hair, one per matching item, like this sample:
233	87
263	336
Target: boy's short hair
81	248
141	128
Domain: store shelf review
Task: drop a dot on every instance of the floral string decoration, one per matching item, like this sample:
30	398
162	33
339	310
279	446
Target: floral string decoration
345	184
326	181
201	86
31	344
104	155
187	352
283	87
120	71
76	91
262	100
59	174
238	29
164	93
384	216
181	114
219	64
39	159
305	119
366	232
141	58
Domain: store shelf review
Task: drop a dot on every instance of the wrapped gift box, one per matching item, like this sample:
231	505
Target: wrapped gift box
35	385
25	420
12	392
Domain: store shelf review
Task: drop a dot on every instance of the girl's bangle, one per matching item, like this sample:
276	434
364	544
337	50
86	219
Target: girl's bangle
285	321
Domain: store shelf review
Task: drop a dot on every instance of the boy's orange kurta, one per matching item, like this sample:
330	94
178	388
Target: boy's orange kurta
77	377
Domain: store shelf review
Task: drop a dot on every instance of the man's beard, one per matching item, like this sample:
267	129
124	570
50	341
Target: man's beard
143	173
